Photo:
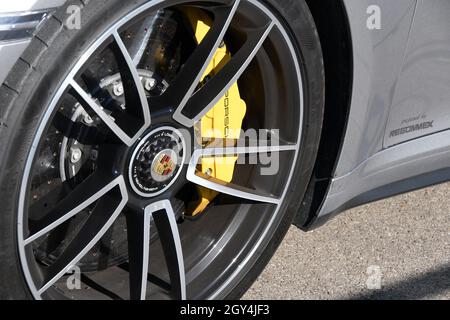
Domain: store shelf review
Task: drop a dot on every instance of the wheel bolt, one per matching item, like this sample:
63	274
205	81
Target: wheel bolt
118	89
87	119
76	155
150	84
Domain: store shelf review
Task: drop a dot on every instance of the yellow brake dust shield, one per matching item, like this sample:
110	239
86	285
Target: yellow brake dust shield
221	125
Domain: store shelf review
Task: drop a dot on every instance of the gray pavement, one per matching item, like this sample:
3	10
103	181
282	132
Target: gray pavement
401	245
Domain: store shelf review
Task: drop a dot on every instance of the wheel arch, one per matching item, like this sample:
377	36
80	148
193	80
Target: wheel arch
335	37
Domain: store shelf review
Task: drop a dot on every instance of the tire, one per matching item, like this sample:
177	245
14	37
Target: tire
29	90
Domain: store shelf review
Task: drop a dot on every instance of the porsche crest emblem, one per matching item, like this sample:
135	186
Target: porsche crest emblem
164	165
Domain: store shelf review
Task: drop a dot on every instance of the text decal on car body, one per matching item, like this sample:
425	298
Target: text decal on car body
413	128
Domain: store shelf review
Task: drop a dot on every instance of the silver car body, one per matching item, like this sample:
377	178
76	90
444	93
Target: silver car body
397	137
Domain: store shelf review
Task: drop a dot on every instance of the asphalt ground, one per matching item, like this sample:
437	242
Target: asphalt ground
393	249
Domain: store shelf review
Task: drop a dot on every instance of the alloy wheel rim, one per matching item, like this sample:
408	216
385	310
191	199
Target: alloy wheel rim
161	210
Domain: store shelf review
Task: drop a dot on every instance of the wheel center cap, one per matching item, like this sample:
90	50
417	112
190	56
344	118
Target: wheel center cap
164	165
157	161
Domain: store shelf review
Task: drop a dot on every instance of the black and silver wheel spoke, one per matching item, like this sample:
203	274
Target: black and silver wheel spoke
207	97
168	233
189	77
106	210
138	232
135	96
87	193
127	125
211	183
138	229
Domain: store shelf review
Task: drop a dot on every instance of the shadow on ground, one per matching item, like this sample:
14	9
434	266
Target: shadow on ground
430	284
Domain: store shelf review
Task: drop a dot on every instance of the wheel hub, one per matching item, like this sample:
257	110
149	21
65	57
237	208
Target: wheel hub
157	161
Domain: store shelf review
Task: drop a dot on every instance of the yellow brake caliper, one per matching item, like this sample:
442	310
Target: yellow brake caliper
221	124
